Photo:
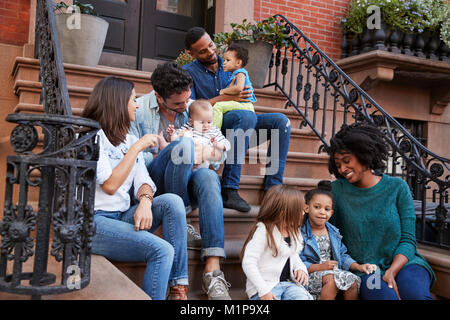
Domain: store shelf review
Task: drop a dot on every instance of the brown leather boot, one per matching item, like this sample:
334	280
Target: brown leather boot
177	293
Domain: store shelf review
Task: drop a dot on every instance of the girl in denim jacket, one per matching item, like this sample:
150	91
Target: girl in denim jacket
270	255
324	254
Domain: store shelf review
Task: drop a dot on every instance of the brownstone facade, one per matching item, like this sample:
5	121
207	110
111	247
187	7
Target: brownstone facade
318	19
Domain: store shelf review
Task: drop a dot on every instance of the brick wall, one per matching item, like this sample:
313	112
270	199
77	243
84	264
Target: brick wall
318	19
14	21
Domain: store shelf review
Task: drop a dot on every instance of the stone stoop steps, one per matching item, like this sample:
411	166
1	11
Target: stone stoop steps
106	283
304	166
302	163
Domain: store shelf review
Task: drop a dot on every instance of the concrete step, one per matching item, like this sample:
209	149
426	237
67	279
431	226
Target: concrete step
231	266
439	260
106	283
251	187
268	97
82	76
237	224
298	164
304	140
235	294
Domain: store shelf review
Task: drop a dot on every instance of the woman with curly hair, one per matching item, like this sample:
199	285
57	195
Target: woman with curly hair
375	214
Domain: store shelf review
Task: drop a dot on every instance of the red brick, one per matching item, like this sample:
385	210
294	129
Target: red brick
14	21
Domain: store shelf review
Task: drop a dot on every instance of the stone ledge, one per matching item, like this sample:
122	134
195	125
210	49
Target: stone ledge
439	260
107	283
368	69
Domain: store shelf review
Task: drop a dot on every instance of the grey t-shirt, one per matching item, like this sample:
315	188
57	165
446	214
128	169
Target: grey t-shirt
164	123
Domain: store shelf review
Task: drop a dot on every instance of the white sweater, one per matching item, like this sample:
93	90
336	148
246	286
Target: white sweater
262	269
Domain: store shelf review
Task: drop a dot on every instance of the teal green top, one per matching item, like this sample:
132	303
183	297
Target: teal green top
377	223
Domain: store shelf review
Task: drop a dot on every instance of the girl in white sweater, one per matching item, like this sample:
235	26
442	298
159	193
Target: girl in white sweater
270	256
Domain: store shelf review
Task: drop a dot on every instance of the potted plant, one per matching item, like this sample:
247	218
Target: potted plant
259	39
417	23
81	33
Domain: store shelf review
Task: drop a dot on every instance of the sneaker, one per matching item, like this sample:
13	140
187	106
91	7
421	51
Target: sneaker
215	286
232	200
194	240
177	293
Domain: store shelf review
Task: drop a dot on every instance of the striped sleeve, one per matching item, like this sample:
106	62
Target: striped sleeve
221	138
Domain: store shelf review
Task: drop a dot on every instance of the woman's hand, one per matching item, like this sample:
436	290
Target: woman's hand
268	296
301	277
367	268
147	141
143	217
389	278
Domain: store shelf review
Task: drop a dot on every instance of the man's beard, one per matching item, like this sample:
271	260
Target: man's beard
211	62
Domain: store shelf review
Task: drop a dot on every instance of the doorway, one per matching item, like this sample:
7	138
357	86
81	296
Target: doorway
143	33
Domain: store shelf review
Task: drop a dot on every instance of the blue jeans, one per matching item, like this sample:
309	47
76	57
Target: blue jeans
167	261
200	188
413	282
275	127
287	290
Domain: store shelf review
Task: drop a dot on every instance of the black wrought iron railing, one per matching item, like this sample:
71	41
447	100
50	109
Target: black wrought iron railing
50	189
325	97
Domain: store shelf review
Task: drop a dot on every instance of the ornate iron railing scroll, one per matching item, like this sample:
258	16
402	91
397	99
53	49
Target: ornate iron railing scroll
326	97
60	173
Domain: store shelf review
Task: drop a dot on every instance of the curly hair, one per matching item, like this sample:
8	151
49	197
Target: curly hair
240	52
365	141
170	78
324	187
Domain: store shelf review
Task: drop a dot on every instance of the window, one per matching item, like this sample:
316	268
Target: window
181	7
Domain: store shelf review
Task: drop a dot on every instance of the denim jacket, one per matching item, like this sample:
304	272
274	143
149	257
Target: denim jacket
310	253
147	121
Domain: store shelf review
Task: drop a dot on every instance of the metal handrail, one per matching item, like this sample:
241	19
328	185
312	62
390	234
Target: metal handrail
64	172
419	165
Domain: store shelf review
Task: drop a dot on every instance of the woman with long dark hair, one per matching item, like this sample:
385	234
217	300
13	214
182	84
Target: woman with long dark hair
125	232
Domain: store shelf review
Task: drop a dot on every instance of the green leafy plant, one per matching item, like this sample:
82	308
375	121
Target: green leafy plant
269	30
84	8
409	16
184	58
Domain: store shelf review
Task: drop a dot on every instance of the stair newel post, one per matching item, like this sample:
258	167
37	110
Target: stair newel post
69	150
